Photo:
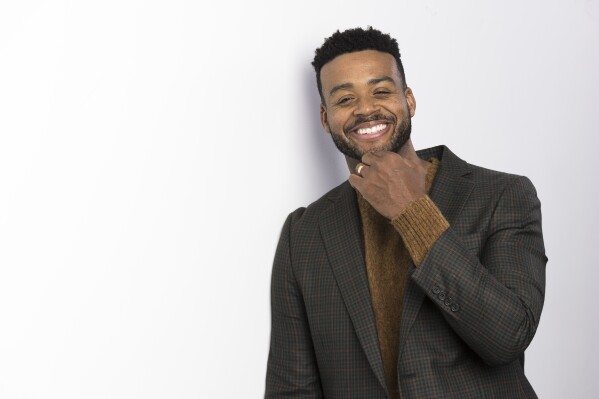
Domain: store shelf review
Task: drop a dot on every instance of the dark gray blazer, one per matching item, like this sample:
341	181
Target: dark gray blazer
470	310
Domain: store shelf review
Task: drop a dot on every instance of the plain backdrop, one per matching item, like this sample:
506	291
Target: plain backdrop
151	150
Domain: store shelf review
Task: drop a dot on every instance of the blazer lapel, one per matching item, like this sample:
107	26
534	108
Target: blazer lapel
449	192
341	233
450	188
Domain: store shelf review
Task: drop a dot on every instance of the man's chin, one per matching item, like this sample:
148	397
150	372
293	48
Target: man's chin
356	152
360	151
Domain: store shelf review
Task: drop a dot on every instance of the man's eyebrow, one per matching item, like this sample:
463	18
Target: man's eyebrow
381	79
371	82
342	86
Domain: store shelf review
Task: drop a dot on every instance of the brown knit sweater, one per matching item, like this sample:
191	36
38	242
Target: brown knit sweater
387	254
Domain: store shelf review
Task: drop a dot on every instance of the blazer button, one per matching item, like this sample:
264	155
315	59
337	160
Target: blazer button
448	301
455	307
442	295
436	290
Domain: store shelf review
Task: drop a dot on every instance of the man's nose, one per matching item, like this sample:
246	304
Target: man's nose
366	106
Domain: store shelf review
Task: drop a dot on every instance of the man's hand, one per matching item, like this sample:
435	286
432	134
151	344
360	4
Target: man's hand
389	181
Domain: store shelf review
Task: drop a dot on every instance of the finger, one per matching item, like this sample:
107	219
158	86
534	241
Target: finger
358	167
355	181
383	153
391	157
369	158
387	154
361	168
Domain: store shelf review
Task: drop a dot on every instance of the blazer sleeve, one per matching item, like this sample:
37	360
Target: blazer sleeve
493	302
292	370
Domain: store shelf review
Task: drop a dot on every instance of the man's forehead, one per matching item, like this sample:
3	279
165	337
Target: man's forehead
359	67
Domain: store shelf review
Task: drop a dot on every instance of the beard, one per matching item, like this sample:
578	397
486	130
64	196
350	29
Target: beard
400	135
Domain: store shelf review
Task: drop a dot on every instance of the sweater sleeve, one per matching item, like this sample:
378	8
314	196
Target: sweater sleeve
420	225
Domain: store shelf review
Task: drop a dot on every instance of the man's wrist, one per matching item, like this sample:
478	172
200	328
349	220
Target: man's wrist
420	225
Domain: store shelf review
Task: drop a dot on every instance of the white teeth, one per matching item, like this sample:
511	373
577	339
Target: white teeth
374	129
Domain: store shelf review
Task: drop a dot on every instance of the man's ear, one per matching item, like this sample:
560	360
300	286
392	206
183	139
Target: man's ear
324	118
411	101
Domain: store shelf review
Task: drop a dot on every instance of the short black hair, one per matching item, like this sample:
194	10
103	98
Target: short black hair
352	40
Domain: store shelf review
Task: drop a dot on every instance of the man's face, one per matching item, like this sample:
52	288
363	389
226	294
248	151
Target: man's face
365	106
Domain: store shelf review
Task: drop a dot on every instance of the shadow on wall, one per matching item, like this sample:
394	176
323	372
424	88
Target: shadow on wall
327	165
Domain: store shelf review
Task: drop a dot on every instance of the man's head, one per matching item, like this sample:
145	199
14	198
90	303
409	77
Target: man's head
365	102
352	40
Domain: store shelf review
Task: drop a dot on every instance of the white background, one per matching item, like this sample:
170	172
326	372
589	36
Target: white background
151	150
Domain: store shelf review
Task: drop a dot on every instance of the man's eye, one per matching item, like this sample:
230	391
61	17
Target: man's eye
382	92
344	100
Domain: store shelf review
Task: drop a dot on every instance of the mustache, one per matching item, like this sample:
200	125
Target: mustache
376	117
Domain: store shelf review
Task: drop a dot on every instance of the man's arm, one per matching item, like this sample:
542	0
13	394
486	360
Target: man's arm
493	303
292	371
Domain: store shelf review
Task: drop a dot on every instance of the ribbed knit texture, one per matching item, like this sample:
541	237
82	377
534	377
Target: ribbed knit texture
420	224
387	254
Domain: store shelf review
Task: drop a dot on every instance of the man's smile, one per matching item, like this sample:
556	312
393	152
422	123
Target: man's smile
369	130
374	129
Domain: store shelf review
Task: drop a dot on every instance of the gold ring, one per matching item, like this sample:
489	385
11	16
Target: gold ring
359	168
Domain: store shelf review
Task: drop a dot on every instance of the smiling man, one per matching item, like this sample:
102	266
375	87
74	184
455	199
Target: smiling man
422	276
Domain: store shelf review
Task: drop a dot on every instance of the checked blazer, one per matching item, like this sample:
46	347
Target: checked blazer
470	309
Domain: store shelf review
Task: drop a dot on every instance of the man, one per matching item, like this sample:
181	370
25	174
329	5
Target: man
422	276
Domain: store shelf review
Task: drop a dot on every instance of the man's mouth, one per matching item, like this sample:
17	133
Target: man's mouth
369	131
372	130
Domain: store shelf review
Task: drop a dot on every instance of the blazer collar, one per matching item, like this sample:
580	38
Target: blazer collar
451	186
341	232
